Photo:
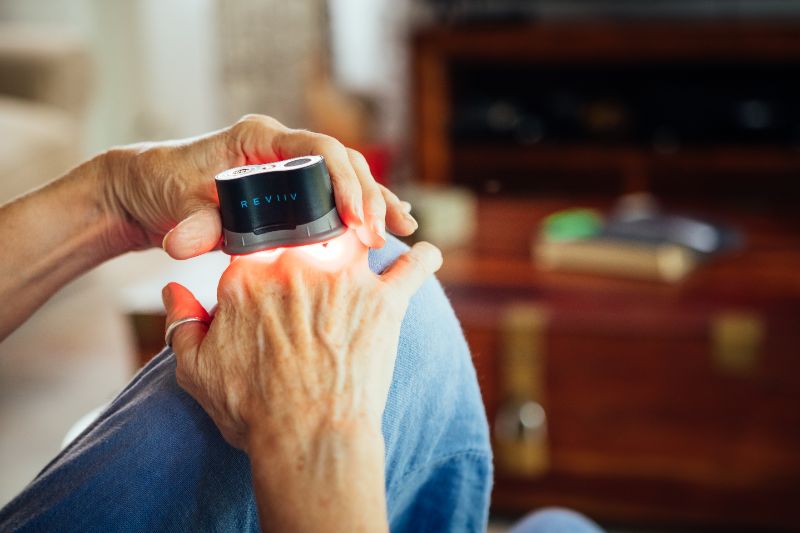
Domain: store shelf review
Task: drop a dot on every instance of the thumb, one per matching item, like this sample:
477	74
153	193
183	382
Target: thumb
199	232
180	303
411	269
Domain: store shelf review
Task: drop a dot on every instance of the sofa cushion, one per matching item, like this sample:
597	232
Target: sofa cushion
39	142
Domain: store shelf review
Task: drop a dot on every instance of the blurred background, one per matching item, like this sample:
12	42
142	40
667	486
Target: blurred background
614	183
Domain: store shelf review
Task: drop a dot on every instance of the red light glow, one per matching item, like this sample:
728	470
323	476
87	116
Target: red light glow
329	251
326	255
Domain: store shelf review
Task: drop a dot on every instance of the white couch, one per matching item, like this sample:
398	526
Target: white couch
44	87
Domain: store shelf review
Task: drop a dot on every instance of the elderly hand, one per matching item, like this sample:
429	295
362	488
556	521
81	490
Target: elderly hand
298	341
164	193
295	369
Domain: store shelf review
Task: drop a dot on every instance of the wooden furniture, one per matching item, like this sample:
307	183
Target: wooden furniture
656	411
638	403
444	57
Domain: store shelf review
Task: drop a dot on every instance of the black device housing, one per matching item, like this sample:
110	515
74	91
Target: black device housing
287	203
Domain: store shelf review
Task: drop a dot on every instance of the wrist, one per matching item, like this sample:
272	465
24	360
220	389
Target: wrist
272	439
333	480
112	170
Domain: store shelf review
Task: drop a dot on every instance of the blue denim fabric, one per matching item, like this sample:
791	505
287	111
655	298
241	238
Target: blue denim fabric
555	520
155	461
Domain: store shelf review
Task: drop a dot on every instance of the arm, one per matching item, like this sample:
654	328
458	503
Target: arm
330	481
163	194
50	237
303	390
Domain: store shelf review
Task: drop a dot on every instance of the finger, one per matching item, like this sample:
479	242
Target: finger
398	216
411	269
346	186
197	233
258	138
251	141
181	303
374	234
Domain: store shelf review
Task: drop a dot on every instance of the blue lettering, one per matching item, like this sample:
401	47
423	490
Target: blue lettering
268	198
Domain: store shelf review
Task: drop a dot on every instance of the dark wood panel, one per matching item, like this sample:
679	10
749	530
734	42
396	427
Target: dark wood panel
436	50
568	41
643	425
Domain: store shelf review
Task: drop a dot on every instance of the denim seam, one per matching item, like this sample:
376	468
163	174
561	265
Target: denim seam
474	453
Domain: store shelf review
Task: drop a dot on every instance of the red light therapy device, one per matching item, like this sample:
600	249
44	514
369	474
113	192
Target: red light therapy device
286	203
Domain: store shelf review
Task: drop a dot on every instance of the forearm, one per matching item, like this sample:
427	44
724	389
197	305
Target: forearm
332	482
52	236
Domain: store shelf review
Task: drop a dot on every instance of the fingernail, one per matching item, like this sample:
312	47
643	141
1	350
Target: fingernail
166	295
164	240
405	207
411	220
190	226
189	235
379	227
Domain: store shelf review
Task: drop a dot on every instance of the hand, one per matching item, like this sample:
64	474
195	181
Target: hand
295	369
164	193
297	348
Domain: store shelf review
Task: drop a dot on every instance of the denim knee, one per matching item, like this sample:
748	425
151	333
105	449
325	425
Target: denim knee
555	520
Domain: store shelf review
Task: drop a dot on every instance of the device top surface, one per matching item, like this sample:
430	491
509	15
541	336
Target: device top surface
278	166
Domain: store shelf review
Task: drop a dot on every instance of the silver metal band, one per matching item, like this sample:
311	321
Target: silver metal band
172	327
324	228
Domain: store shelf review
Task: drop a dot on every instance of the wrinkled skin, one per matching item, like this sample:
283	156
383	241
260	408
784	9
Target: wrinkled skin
296	345
295	369
165	191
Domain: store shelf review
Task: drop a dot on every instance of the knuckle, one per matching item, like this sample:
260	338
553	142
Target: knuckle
256	118
231	288
241	129
246	122
388	195
252	121
412	261
357	158
328	145
249	117
429	250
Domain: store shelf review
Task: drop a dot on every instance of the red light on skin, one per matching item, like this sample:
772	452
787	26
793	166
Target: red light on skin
326	252
328	255
265	256
332	255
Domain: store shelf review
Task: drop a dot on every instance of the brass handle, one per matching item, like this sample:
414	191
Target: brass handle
520	424
520	434
520	421
736	341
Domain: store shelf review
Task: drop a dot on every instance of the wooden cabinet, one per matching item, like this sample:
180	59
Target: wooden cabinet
662	404
635	402
682	109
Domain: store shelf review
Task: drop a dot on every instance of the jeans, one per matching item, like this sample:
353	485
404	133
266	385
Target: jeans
555	521
155	461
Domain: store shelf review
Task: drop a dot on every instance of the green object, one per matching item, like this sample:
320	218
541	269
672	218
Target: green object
572	224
